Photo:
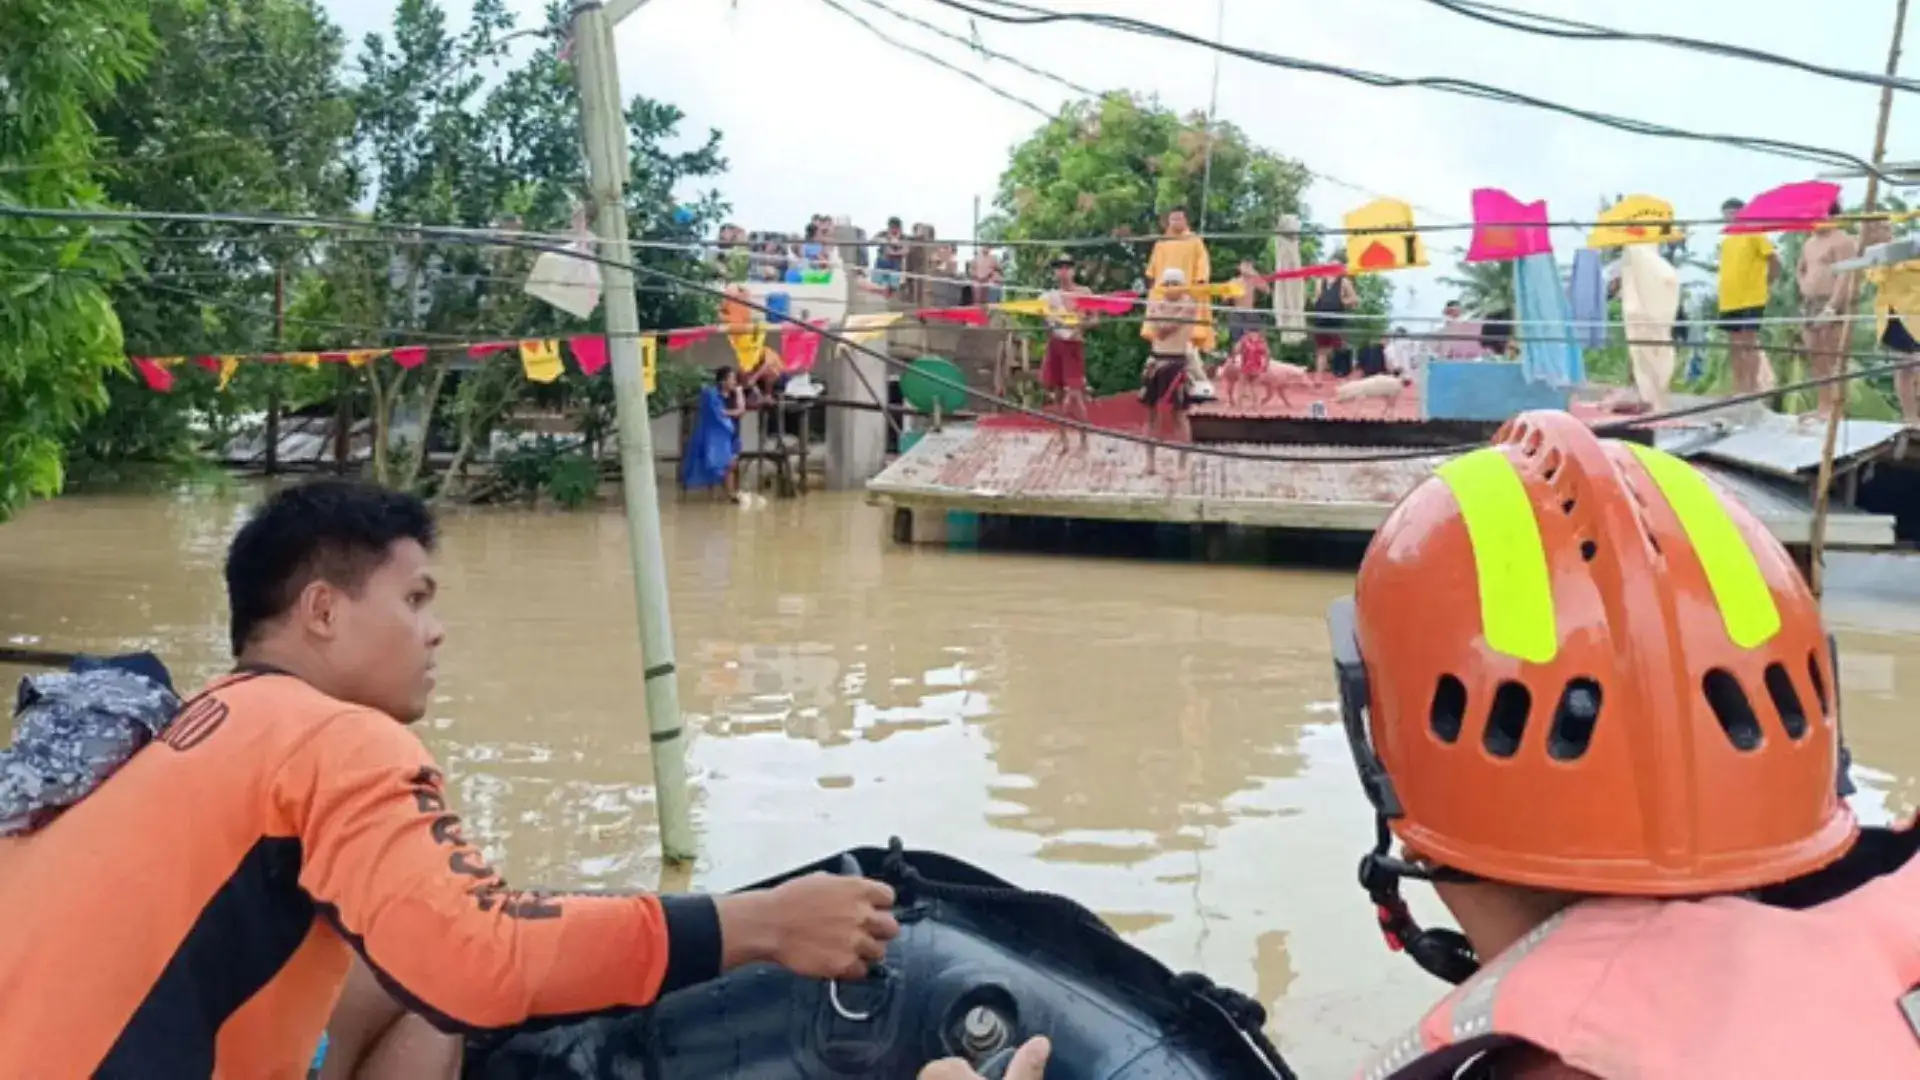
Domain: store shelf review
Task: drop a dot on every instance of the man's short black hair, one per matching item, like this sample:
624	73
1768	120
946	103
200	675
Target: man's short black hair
337	531
1732	205
1181	210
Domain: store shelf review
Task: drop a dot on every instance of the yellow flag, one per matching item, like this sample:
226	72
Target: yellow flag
307	360
649	360
541	360
169	361
749	347
1380	237
1219	290
228	365
1636	219
1035	306
862	329
360	357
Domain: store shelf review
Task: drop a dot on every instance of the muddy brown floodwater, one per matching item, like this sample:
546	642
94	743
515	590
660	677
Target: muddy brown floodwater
1156	739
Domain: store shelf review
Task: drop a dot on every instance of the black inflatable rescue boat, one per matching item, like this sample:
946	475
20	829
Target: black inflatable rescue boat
979	967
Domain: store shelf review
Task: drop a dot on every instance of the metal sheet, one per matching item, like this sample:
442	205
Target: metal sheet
1038	474
1782	446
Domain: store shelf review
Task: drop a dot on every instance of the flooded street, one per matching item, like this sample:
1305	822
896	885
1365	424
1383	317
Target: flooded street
1156	739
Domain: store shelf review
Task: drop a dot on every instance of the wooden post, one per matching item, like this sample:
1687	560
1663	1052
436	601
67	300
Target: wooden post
1849	292
343	421
273	388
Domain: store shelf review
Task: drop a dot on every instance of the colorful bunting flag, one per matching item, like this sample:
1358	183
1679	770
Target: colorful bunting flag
1636	219
748	348
410	356
680	339
228	366
864	329
1381	237
306	360
967	316
1036	307
541	361
1505	228
487	348
362	357
1108	304
153	372
590	352
649	359
209	364
800	348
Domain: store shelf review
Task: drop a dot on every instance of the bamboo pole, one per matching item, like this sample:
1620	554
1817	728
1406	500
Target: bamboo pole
1849	293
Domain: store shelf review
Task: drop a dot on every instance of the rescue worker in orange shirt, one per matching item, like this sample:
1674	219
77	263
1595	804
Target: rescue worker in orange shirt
1593	700
198	913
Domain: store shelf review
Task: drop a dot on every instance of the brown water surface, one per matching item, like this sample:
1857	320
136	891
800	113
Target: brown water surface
1156	739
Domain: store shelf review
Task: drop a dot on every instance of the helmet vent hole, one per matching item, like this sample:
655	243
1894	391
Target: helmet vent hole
1552	465
1573	720
1731	707
1567	507
1589	550
1786	701
1507	721
1819	683
1449	711
1530	445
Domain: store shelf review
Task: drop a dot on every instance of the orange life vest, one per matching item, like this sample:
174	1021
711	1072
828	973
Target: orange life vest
1627	989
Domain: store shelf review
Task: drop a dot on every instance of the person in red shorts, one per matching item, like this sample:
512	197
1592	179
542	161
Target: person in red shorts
1063	373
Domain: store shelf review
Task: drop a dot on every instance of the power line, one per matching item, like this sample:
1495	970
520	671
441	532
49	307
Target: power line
1083	90
1532	22
1044	113
1036	16
469	236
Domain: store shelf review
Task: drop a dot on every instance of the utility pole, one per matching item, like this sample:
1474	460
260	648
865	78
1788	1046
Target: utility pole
604	125
1850	290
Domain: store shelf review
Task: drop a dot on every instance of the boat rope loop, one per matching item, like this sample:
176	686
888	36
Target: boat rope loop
1195	992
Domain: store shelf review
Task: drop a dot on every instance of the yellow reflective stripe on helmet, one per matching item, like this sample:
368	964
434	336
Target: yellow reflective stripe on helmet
1516	596
1746	603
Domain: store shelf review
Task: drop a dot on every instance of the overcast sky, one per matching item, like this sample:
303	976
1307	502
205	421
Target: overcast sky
819	115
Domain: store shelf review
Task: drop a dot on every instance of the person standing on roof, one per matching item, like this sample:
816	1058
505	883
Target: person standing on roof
1826	330
1170	327
1181	250
198	913
1748	267
1063	371
1592	699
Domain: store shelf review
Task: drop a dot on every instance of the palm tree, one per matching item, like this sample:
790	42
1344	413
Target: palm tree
1483	288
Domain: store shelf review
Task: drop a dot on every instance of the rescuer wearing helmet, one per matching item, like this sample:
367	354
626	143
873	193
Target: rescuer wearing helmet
1593	700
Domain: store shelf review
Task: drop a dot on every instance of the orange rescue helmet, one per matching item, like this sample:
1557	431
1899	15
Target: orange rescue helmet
1586	669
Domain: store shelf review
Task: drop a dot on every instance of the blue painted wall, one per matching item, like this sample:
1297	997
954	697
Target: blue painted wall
1489	390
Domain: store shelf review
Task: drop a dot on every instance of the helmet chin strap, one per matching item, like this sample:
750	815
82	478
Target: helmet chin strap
1444	954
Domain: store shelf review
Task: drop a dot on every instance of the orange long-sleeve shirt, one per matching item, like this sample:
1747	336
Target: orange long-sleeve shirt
194	916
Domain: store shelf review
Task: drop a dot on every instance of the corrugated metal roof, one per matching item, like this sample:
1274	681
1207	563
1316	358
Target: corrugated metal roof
1038	474
1790	447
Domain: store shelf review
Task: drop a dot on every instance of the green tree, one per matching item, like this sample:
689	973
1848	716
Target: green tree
1112	167
243	107
59	338
440	146
1482	288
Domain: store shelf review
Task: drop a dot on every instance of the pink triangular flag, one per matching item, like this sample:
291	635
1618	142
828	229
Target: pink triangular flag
1505	228
589	351
410	356
156	375
1787	208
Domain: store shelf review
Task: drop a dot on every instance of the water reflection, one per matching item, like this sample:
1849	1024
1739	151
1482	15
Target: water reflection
1154	738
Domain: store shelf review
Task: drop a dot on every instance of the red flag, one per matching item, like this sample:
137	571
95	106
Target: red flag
680	339
335	357
208	363
157	377
488	348
590	352
960	316
1110	304
410	356
1326	270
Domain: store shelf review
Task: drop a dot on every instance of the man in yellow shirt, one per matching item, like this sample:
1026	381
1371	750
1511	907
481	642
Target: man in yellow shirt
1183	251
1748	265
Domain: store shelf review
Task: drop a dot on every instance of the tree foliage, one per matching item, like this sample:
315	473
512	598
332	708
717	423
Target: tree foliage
1113	167
256	105
59	338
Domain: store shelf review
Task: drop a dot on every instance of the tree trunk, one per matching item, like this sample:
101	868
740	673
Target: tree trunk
409	479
